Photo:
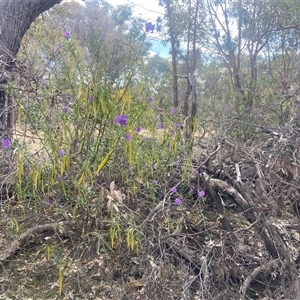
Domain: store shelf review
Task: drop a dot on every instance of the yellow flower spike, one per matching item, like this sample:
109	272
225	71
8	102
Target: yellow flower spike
15	225
35	175
129	150
81	179
128	97
65	164
107	157
49	251
20	170
62	167
111	236
64	189
42	182
128	238
132	241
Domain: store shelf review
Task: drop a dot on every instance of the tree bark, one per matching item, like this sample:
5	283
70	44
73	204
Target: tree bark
16	18
174	53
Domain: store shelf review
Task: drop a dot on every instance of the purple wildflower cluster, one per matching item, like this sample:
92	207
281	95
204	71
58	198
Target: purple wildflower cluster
6	143
121	120
67	34
61	152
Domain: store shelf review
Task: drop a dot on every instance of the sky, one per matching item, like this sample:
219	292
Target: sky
148	10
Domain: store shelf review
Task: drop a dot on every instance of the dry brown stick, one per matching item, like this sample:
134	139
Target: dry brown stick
270	266
24	237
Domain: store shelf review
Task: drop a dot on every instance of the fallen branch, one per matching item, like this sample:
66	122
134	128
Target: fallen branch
25	237
269	267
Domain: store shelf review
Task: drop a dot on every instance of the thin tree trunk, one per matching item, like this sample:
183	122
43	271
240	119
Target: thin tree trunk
16	18
174	54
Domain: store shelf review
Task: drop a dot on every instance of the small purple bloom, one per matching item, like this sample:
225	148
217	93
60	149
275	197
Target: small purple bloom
50	201
150	99
178	125
61	152
137	129
174	189
65	108
173	111
172	131
153	166
91	98
6	143
128	137
67	34
201	193
160	126
61	178
178	201
121	120
196	172
155	181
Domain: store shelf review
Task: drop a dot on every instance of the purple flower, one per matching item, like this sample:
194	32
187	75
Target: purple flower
178	201
201	193
121	120
196	172
61	178
150	99
178	125
91	98
67	34
50	201
153	166
174	189
155	181
65	108
6	143
172	131
160	126
128	137
137	129
61	152
173	111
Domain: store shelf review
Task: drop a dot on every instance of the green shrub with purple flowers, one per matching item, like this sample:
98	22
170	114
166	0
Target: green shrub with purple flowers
92	132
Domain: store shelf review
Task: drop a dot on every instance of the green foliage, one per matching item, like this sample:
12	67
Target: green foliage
92	113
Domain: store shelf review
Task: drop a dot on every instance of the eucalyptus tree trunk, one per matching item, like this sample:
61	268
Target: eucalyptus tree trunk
16	18
173	52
